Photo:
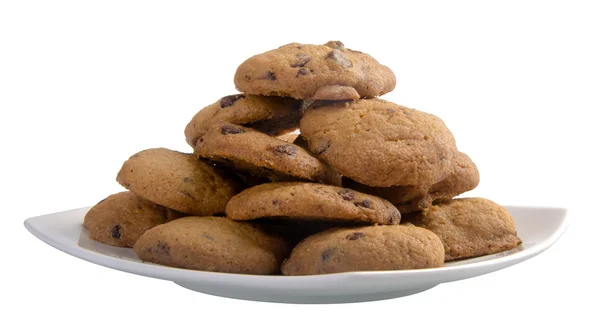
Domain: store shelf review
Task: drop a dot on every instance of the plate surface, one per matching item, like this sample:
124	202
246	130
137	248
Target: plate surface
538	227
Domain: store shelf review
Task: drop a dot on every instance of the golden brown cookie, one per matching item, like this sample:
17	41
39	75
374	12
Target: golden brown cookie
214	244
178	181
379	143
259	155
270	115
310	202
373	248
120	219
314	72
463	177
470	227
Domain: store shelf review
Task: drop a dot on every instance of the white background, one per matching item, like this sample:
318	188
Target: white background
83	86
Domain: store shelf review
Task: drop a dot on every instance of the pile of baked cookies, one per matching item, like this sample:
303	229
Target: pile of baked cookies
367	184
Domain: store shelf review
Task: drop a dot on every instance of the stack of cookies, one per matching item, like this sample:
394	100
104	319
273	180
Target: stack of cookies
366	185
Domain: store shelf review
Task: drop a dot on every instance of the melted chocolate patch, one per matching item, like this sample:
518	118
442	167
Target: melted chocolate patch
230	100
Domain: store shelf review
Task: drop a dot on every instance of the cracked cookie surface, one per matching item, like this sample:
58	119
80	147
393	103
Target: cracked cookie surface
379	143
373	248
178	181
470	227
270	115
214	244
262	156
463	177
120	219
310	202
314	72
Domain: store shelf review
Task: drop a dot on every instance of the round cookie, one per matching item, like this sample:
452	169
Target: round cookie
263	156
120	219
463	177
379	143
314	72
374	248
178	181
470	227
310	202
214	244
271	115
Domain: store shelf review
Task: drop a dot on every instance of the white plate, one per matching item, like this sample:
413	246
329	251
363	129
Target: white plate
538	227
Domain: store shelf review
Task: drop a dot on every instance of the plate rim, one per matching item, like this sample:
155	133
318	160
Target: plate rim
179	274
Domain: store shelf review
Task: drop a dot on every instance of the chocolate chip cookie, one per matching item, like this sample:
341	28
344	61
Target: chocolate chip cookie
373	248
463	177
379	143
178	181
470	227
214	244
314	72
120	219
310	202
263	156
271	115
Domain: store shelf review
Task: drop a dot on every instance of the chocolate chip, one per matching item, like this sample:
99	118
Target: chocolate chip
270	75
326	255
365	203
302	72
335	45
200	140
163	248
339	58
355	235
207	236
231	129
301	60
230	100
115	232
347	194
283	150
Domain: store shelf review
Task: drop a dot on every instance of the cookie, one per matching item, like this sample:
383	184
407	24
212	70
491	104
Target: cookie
310	202
463	177
214	244
121	219
178	181
373	248
470	227
270	115
260	155
314	72
379	143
